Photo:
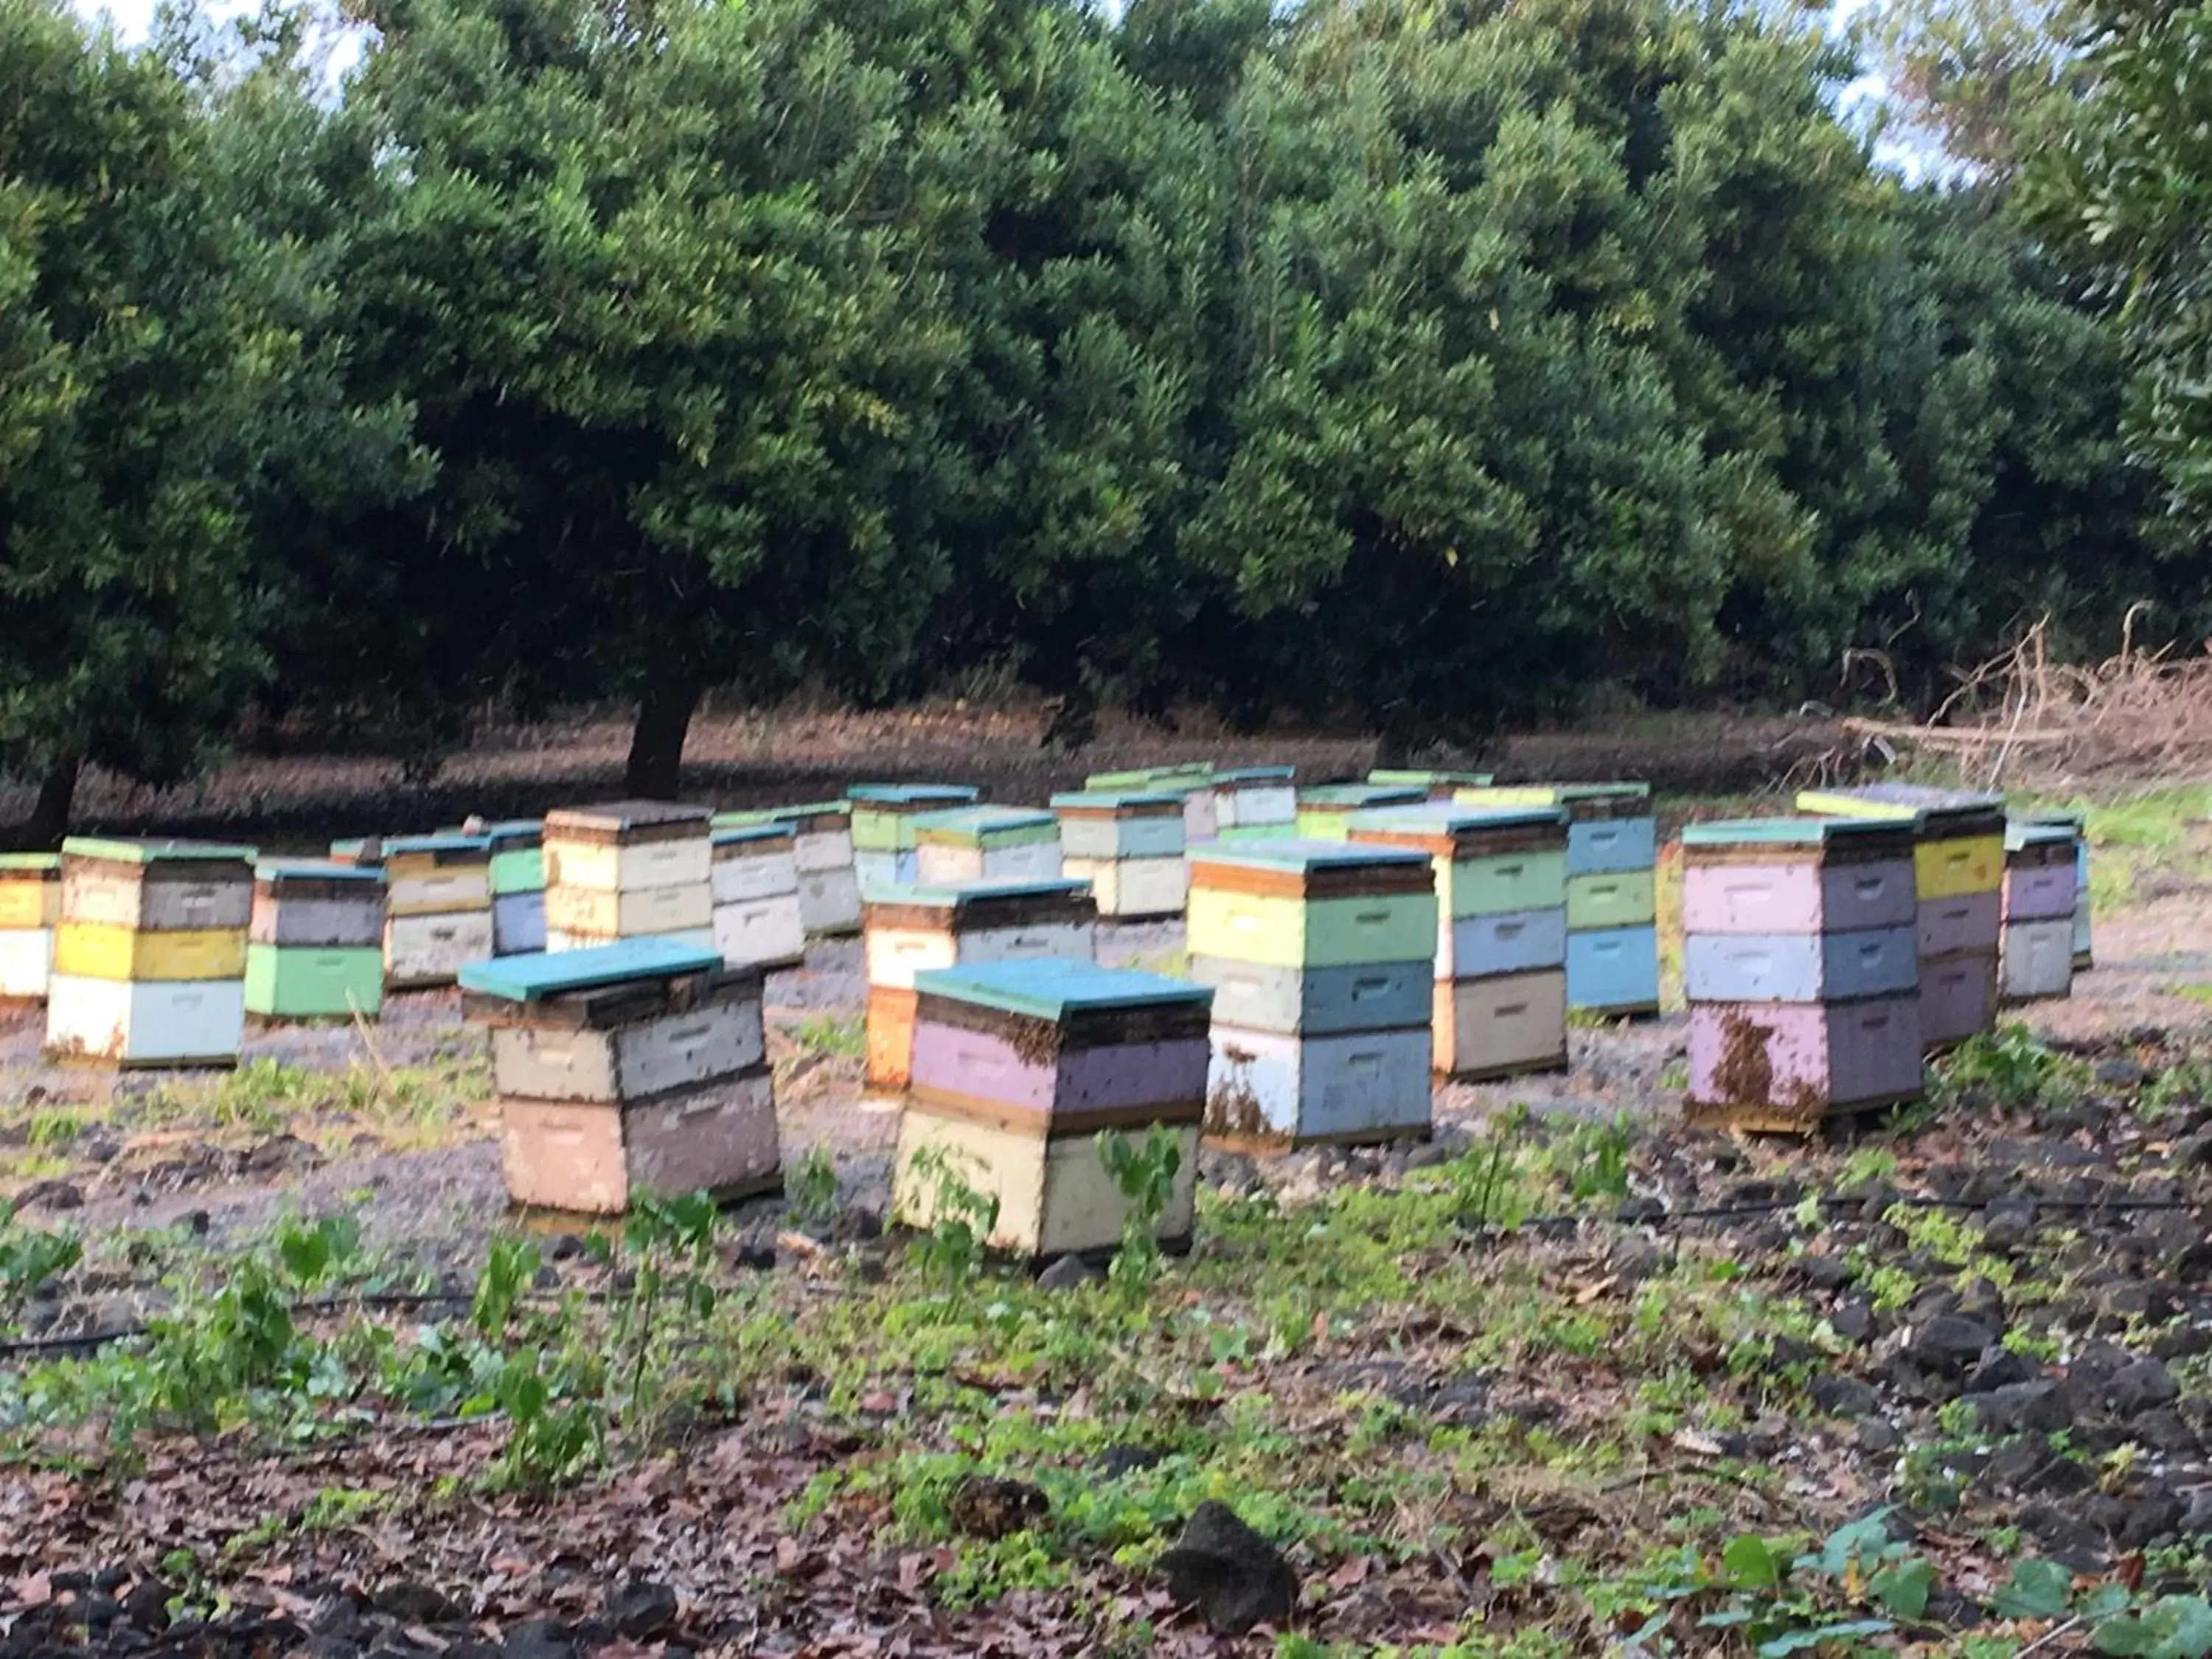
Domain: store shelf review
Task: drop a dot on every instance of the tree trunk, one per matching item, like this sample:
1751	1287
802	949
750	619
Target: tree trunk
43	830
656	742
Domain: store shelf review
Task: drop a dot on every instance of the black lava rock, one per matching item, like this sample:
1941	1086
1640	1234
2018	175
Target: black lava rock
1233	1574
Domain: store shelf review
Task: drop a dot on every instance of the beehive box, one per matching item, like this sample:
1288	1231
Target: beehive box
30	906
1958	873
639	1067
149	953
882	827
829	883
1325	810
1021	1070
755	883
906	932
1612	898
315	943
629	870
1440	785
517	886
1280	923
438	903
986	843
1128	845
1498	1007
1192	783
2085	957
1254	801
1801	966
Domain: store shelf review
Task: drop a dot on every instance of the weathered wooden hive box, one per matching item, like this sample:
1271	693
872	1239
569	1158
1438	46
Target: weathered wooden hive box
437	903
986	843
517	886
1128	845
1501	948
2040	893
910	931
884	814
1801	971
1191	782
1439	786
1958	871
1023	1071
2085	957
315	943
30	907
629	869
1323	954
1612	901
822	845
627	1069
758	922
149	952
1254	803
1326	809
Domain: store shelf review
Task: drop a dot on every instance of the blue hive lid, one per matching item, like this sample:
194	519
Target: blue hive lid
1361	794
449	841
1116	798
1051	989
532	978
911	794
1786	832
2032	832
1291	855
314	869
732	835
1257	774
951	896
968	820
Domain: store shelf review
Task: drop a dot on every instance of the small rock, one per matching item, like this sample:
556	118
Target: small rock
1853	1320
2137	1387
1844	1396
2163	1429
1982	1300
1066	1273
2148	1519
1950	1344
1428	1155
2119	1072
418	1604
2036	1407
1236	1577
1825	1273
51	1196
1878	1438
563	1247
147	1606
2192	1151
540	1638
643	1611
1999	1367
1116	1461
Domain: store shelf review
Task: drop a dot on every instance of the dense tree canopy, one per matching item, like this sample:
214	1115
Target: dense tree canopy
1419	363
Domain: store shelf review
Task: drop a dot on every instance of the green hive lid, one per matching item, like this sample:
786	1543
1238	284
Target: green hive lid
1900	800
1784	832
1293	854
1429	779
911	794
450	841
1051	989
535	977
314	869
952	896
967	824
1353	796
1116	798
751	815
735	834
39	862
1557	795
2073	823
2031	832
1257	774
1448	817
149	852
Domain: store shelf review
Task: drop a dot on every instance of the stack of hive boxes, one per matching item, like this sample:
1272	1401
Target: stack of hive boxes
2085	957
829	885
1612	895
1441	786
1323	960
1501	946
882	827
1327	809
2039	898
1958	863
518	887
755	880
437	906
986	843
1021	1072
910	931
30	905
149	953
1190	782
1800	968
631	869
315	945
624	1070
1128	845
1254	803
